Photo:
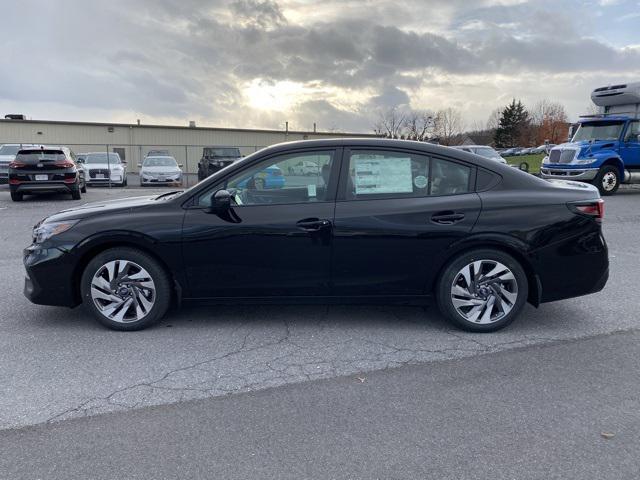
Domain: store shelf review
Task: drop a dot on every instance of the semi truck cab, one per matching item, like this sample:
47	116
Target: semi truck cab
605	148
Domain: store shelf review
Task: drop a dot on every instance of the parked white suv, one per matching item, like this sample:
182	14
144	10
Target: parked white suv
102	170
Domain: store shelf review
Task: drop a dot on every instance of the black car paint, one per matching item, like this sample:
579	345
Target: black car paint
374	251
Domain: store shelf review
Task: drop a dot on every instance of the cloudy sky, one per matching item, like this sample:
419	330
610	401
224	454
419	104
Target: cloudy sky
259	63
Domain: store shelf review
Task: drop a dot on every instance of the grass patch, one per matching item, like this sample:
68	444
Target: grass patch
534	161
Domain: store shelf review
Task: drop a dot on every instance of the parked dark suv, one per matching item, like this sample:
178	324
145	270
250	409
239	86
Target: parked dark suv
45	169
380	221
215	159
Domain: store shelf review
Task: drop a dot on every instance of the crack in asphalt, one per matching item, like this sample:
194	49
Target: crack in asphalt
301	363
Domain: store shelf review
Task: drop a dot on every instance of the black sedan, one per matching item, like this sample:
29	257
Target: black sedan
382	221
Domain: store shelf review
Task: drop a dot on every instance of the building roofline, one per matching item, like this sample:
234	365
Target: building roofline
182	127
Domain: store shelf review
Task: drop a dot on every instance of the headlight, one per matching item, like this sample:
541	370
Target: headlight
583	161
45	231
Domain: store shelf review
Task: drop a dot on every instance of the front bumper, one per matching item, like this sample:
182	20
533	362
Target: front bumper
584	174
161	179
49	277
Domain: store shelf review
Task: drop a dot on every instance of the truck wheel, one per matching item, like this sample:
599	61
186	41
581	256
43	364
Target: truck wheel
607	180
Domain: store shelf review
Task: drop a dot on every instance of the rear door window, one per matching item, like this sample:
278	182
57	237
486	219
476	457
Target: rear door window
376	174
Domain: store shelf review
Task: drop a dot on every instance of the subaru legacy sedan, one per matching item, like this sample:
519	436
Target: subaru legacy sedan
382	221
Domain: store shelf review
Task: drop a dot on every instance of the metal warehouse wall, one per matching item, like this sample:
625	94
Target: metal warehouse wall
134	141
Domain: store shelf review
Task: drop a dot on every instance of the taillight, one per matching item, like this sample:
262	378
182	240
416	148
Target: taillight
17	164
64	163
594	208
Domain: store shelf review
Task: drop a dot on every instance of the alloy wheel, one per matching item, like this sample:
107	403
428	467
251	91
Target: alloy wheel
484	291
123	291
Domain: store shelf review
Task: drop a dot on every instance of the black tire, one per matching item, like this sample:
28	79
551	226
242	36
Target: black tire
608	180
17	196
159	276
84	188
75	193
450	273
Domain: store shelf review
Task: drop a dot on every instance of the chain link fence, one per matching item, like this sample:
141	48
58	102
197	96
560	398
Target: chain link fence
188	156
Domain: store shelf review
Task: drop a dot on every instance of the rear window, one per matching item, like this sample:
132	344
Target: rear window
39	155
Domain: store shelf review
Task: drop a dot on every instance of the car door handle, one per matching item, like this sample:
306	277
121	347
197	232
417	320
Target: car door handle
447	218
313	224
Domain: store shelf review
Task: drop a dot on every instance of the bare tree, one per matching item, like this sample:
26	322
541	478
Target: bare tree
493	122
449	126
419	125
390	123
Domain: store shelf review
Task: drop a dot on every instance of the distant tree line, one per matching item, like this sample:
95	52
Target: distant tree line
510	126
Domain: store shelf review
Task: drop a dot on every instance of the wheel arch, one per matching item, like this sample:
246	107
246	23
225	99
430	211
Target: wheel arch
509	245
94	247
616	162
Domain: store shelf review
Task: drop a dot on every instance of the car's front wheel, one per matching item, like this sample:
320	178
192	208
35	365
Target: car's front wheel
126	289
482	290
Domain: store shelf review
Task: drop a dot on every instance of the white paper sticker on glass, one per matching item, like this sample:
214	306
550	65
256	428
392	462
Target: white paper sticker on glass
382	175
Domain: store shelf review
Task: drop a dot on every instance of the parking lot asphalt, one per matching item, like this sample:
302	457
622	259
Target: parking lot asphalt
59	364
563	411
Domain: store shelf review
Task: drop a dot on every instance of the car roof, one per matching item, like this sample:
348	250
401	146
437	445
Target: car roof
472	146
159	156
26	148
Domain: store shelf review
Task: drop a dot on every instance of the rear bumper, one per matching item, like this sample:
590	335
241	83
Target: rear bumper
584	174
29	187
49	277
581	269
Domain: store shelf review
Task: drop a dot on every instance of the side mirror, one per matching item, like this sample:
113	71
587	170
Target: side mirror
139	165
180	165
638	138
221	201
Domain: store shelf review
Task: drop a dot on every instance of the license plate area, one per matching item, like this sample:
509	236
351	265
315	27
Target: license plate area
100	176
42	178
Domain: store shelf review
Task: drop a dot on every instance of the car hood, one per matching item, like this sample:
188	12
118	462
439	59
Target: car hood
95	208
160	169
93	166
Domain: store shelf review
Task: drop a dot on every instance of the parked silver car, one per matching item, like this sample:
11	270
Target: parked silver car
483	151
8	153
160	170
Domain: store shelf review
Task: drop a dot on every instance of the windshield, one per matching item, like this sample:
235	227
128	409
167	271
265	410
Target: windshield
598	131
488	153
160	162
9	149
221	152
101	158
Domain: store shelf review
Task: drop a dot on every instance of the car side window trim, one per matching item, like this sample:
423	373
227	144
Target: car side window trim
332	187
344	172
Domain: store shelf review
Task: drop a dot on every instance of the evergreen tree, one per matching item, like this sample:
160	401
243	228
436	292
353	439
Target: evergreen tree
513	126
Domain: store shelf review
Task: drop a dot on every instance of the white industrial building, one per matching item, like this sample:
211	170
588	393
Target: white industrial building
133	141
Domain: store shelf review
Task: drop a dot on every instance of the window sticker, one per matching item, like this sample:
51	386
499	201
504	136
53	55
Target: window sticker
420	181
382	175
311	190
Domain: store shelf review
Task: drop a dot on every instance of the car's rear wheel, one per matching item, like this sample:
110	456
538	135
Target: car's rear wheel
482	290
126	289
17	196
607	180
